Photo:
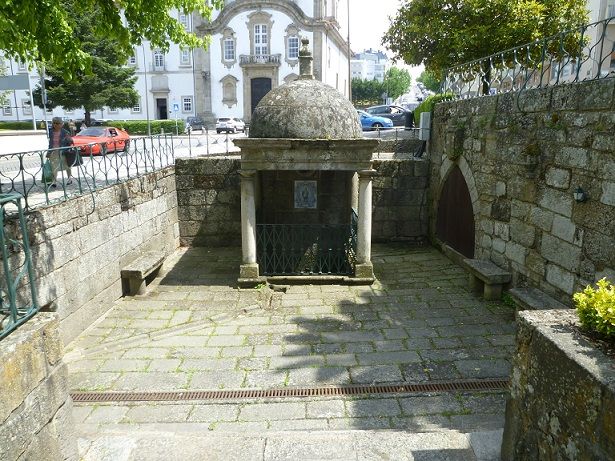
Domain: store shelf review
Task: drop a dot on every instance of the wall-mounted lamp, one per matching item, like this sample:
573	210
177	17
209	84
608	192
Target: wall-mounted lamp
579	195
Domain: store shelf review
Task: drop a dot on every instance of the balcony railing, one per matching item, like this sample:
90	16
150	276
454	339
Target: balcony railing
245	59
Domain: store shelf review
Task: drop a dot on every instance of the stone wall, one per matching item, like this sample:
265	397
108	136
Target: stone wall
208	194
79	246
209	200
562	400
399	195
522	156
35	408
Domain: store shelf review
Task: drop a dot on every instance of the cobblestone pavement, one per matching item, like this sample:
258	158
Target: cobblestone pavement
195	330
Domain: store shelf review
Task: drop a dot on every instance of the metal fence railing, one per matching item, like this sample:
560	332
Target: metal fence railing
307	249
16	266
581	54
99	165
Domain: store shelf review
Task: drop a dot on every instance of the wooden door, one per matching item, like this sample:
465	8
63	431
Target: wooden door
455	225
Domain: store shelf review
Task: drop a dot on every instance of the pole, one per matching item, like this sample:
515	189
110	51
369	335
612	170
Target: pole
43	99
31	102
349	70
149	126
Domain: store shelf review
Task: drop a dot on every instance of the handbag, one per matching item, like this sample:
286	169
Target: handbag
72	157
47	172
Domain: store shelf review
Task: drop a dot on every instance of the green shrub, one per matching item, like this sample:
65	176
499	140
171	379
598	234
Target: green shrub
596	308
16	125
429	103
140	126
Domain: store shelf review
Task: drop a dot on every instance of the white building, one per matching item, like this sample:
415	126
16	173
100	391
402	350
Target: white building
254	47
370	65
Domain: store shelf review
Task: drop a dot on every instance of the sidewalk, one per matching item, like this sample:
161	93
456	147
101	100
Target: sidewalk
195	331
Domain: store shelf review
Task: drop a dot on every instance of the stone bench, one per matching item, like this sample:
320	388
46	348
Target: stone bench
534	299
138	270
487	277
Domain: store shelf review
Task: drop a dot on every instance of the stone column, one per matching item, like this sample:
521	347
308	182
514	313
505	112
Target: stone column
364	267
249	267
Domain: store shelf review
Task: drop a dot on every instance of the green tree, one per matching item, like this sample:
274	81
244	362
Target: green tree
396	82
108	84
443	33
369	92
42	30
430	81
366	92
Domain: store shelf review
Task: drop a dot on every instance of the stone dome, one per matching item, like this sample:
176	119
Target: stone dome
305	109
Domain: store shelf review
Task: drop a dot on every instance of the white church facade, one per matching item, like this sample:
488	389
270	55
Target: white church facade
254	48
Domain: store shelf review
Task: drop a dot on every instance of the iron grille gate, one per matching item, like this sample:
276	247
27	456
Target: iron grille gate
307	249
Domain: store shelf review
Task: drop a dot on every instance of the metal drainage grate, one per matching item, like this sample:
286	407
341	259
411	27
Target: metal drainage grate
450	386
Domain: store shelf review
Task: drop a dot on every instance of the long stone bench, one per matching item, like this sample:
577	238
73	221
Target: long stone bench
137	271
534	299
487	277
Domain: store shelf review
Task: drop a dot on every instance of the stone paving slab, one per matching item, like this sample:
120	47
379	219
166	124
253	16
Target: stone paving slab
295	446
423	412
194	329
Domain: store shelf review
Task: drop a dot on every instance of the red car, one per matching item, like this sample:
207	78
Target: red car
102	139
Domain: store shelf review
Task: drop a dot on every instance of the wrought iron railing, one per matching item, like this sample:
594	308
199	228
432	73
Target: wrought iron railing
306	249
16	266
102	164
581	54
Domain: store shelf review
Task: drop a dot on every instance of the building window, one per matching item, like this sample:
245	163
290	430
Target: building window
184	20
137	108
158	60
6	109
184	56
187	104
229	49
293	47
21	65
261	40
113	110
132	60
26	108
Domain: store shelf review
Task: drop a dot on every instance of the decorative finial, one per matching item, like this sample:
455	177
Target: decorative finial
305	61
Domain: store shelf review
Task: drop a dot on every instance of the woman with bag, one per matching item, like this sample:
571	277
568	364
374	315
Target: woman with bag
59	137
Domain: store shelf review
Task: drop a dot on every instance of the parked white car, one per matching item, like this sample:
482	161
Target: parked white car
230	125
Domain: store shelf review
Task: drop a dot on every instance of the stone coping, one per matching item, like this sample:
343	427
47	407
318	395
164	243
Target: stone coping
559	326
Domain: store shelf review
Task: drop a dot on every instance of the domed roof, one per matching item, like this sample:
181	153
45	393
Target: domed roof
305	109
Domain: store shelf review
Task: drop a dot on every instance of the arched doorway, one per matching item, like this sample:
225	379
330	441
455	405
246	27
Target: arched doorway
259	87
455	225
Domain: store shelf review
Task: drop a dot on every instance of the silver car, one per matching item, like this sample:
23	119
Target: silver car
230	125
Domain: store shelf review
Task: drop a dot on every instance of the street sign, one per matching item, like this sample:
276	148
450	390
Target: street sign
175	107
15	82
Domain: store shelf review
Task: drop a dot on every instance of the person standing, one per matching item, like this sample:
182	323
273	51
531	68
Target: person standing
58	138
72	127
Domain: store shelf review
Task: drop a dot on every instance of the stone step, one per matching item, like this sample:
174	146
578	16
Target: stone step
295	446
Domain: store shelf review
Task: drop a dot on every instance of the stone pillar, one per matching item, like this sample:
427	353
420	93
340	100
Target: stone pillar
249	268
354	191
364	267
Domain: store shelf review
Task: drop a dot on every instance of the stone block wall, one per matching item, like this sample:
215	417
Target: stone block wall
35	408
208	194
562	399
522	156
399	195
209	200
79	246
